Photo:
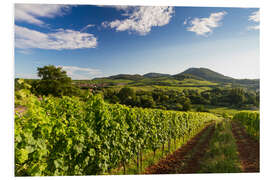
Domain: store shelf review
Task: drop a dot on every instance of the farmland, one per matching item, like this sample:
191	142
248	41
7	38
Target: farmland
75	136
134	90
134	125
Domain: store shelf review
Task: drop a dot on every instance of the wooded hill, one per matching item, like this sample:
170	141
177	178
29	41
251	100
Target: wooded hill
192	77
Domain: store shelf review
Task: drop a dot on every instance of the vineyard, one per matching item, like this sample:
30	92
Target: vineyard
74	136
116	90
251	121
67	136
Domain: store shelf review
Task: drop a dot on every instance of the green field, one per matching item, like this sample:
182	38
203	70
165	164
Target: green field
91	135
220	109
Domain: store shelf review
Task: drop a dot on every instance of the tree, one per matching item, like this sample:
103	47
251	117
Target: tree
127	96
179	107
257	99
114	99
237	96
51	72
147	101
201	108
54	81
186	104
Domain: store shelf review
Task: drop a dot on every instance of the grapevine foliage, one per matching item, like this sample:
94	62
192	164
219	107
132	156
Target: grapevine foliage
69	136
251	122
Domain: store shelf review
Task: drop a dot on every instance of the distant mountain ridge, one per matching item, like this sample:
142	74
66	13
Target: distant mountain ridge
192	77
127	76
191	73
156	75
206	74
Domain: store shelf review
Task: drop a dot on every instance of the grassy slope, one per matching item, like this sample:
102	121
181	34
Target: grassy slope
220	109
149	84
179	89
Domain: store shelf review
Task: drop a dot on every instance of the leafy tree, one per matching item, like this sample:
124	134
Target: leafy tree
179	107
51	72
165	98
237	96
54	81
201	108
187	104
108	93
147	101
257	99
114	99
127	96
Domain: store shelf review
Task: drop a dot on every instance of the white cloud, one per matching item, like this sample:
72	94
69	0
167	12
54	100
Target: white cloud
31	13
81	73
204	26
122	7
141	19
27	76
118	7
254	27
254	17
25	51
61	39
86	27
186	21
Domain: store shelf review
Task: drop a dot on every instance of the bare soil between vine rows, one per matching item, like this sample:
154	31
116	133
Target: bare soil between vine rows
180	161
248	148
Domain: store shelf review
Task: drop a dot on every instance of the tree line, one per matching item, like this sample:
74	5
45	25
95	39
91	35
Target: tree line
54	81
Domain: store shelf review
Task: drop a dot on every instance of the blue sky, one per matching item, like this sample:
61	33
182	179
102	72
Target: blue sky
97	41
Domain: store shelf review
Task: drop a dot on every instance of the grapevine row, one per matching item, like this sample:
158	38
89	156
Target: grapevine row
68	136
251	122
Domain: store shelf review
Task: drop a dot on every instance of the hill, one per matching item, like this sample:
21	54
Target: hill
199	78
206	74
156	75
134	77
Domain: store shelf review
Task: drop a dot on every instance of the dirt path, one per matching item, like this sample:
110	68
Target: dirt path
248	149
186	158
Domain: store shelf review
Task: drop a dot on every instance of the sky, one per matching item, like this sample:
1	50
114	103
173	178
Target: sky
99	41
